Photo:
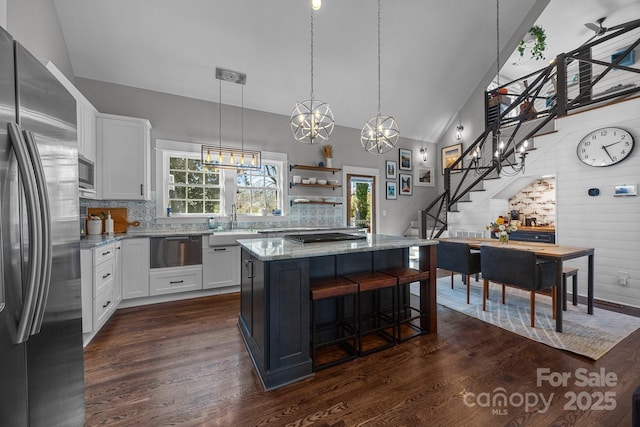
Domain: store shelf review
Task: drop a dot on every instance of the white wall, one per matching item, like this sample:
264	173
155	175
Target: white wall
34	23
3	13
609	224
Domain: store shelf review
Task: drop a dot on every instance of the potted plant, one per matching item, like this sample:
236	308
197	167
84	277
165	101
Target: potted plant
536	40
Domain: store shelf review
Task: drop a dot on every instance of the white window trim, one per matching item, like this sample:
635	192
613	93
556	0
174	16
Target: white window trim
165	148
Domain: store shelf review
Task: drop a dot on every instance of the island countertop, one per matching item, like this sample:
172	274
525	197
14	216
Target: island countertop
273	249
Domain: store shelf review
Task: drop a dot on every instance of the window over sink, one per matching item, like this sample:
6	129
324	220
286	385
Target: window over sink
194	191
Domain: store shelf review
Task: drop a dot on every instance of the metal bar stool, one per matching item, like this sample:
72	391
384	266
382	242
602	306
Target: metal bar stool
406	312
378	320
569	272
341	330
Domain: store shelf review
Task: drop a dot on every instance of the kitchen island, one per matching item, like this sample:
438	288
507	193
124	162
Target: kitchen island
274	318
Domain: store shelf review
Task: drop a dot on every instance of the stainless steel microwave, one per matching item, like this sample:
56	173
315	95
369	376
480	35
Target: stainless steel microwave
86	177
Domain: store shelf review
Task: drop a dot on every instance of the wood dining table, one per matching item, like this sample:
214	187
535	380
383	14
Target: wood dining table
557	253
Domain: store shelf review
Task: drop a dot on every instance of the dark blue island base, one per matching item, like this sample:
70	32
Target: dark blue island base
275	303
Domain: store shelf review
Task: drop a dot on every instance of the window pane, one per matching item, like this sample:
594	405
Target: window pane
271	197
195	206
179	177
212	193
177	163
181	192
212	207
194	192
243	201
193	183
194	165
212	178
178	206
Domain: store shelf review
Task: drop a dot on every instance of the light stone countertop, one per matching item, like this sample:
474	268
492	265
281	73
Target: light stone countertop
274	249
93	241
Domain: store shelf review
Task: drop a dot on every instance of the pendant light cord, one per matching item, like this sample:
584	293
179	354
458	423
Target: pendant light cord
379	103
498	55
242	119
312	56
220	113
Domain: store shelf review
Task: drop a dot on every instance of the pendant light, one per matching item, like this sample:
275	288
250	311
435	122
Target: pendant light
311	121
380	134
221	157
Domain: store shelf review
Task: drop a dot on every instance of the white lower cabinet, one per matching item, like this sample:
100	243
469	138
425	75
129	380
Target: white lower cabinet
98	269
220	266
170	280
135	268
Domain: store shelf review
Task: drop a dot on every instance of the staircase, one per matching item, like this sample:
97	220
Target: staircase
574	81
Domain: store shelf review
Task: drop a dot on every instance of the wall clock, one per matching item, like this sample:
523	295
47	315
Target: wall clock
605	147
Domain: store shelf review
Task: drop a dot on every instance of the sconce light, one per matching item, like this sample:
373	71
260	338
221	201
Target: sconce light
424	153
459	130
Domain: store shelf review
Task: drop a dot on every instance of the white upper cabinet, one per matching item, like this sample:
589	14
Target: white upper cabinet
86	115
124	153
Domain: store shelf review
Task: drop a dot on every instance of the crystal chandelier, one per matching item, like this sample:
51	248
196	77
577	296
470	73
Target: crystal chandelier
380	134
220	157
311	120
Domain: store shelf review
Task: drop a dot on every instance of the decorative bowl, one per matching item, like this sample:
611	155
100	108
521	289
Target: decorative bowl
312	180
322	181
306	181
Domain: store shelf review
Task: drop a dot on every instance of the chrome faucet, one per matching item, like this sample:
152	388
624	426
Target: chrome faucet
234	216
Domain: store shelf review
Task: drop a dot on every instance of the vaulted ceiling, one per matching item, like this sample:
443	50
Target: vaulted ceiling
433	55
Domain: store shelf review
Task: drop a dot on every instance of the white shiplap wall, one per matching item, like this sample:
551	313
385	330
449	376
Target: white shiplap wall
609	224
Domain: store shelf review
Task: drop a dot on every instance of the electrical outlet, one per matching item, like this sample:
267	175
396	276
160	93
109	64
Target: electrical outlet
623	278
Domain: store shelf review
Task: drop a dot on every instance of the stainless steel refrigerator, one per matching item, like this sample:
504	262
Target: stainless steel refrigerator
41	364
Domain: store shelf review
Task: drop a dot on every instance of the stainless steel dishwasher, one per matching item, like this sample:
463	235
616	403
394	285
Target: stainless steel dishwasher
176	251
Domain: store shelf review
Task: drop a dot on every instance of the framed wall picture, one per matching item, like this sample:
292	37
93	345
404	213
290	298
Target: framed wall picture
406	184
392	190
390	167
449	155
405	159
424	176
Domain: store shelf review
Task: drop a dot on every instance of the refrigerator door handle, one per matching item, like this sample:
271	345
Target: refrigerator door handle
45	224
33	211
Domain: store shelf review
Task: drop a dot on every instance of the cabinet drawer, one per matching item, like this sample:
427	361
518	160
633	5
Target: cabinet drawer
103	253
103	306
103	276
169	280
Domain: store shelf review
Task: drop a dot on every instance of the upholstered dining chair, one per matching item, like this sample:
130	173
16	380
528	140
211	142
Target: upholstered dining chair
457	257
518	268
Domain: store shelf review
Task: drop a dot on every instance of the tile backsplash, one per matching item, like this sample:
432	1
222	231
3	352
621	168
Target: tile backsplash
298	215
537	200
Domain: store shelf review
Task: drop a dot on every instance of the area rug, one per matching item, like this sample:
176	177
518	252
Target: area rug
588	335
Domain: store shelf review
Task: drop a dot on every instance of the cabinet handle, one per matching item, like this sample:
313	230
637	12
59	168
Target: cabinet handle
106	253
106	304
106	275
220	249
173	282
141	188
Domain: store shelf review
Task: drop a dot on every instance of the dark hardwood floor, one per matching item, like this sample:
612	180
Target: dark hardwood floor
184	363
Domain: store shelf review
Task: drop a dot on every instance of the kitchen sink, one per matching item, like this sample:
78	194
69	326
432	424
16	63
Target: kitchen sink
229	237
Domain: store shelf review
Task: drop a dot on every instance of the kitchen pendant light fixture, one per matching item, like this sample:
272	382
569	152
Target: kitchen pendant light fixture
311	120
220	157
380	134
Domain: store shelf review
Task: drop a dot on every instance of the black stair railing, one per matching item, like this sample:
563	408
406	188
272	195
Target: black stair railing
570	83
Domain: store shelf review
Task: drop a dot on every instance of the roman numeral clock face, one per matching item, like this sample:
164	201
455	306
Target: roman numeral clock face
605	147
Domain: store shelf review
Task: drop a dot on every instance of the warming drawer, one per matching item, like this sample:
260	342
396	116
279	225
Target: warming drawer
175	251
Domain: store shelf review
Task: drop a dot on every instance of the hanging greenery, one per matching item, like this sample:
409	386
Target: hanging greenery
539	38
